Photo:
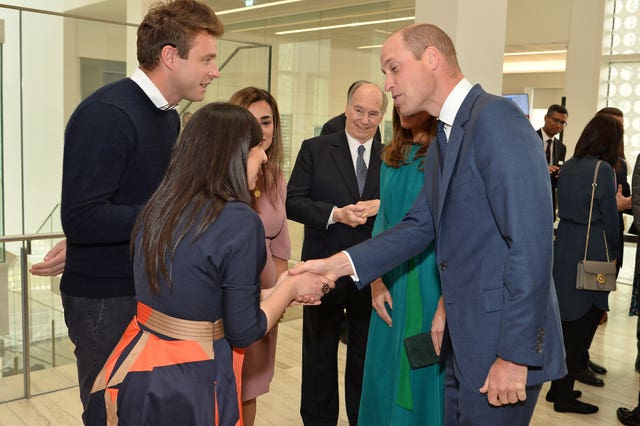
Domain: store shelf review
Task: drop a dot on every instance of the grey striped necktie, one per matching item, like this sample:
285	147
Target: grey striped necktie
441	137
361	169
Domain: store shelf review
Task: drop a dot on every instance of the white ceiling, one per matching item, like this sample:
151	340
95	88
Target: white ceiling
532	26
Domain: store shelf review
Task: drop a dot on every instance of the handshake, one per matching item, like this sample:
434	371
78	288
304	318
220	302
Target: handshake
309	281
305	288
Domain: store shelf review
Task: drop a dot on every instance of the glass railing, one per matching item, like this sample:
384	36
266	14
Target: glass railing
35	352
78	55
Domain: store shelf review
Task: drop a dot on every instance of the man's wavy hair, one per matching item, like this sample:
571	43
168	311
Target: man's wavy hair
175	23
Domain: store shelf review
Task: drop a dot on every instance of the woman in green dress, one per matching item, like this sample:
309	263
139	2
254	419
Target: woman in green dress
407	300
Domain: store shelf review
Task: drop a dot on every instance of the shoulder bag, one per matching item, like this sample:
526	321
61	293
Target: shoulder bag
595	275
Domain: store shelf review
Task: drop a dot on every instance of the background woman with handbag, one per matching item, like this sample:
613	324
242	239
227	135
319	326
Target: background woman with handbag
581	310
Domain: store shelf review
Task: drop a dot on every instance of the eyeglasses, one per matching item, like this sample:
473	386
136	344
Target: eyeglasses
558	121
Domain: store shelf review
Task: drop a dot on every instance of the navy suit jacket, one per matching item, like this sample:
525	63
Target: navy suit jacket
489	212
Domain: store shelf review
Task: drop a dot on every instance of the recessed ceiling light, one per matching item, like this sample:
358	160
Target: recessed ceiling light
539	52
254	7
350	25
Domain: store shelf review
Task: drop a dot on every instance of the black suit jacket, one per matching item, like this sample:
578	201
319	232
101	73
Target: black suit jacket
558	154
338	123
559	149
323	177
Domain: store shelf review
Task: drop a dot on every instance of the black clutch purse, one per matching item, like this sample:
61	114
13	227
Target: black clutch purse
420	350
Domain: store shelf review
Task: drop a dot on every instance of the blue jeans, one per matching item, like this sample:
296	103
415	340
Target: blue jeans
95	327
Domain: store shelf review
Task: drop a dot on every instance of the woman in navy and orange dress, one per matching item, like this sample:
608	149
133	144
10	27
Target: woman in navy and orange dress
198	252
269	198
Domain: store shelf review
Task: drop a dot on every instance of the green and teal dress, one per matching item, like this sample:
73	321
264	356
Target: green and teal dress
392	393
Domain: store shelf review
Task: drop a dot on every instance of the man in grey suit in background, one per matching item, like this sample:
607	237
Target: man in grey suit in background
486	203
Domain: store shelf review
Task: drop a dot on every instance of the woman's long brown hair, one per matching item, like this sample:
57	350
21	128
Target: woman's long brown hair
395	153
272	169
208	168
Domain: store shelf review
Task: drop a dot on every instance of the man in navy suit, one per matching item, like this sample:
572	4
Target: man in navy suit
334	190
486	202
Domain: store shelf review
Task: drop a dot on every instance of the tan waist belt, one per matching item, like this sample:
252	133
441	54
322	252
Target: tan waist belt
180	329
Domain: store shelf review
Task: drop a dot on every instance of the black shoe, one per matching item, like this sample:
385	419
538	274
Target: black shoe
551	398
587	377
629	417
597	368
574	406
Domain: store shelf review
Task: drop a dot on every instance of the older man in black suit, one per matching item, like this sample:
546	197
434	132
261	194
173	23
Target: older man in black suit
338	123
334	191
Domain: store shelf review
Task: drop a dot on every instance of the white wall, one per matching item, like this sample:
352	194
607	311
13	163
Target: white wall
32	129
526	18
43	118
477	29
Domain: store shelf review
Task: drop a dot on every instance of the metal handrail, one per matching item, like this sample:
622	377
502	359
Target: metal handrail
25	250
31	237
49	217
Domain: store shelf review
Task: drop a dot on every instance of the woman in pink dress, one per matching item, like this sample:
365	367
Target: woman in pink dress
269	201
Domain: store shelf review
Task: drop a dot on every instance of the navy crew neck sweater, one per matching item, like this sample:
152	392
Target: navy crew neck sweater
116	151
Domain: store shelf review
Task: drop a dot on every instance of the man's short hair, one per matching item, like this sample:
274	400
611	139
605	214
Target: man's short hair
557	108
358	84
418	37
175	23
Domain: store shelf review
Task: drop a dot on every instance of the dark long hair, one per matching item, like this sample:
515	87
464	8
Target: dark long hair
272	169
618	115
208	168
601	138
395	153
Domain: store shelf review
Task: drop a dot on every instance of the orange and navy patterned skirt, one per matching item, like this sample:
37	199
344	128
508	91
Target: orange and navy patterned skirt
168	371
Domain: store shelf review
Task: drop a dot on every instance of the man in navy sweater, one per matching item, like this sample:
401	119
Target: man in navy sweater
117	147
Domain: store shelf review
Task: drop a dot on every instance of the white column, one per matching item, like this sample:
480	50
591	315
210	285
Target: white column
477	29
584	64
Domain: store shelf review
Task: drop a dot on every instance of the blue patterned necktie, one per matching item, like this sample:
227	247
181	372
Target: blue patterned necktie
361	169
442	143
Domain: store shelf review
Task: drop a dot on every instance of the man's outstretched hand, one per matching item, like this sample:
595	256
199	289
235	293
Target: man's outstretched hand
332	267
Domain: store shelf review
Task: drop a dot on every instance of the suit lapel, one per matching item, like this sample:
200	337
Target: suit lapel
342	159
454	142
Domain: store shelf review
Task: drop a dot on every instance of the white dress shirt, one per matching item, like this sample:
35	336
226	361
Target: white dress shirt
545	138
353	149
452	104
151	90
